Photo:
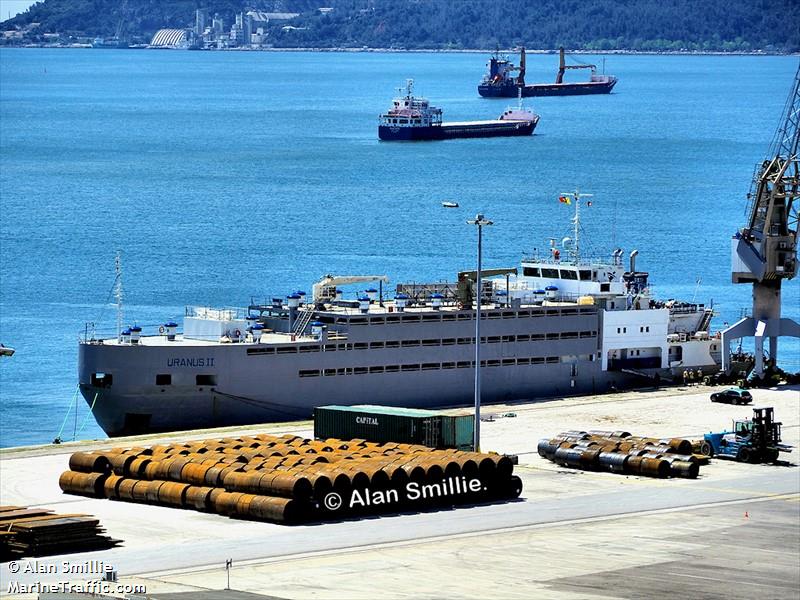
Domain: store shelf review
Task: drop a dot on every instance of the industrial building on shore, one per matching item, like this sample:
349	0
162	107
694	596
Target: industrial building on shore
248	31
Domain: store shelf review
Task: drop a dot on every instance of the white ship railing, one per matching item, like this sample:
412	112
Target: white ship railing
228	313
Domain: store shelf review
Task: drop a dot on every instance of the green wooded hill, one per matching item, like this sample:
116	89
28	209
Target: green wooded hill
652	25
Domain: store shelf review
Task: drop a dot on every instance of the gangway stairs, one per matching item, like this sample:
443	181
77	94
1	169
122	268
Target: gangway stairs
303	319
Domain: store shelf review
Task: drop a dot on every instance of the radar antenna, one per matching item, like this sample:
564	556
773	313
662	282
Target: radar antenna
764	253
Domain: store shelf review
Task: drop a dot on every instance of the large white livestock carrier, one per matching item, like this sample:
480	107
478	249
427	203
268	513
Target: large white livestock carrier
558	324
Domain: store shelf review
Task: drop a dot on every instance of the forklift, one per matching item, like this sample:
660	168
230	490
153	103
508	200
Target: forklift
751	441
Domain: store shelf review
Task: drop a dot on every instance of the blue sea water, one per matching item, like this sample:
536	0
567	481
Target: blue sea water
223	176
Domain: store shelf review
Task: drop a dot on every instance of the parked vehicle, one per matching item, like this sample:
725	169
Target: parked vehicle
733	395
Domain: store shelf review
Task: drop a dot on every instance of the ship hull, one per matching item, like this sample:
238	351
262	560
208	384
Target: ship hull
121	414
528	354
447	131
547	89
242	385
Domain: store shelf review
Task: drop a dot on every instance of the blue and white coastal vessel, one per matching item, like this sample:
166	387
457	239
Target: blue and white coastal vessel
557	324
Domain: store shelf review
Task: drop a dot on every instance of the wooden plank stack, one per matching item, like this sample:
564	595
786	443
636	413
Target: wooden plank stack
41	532
289	479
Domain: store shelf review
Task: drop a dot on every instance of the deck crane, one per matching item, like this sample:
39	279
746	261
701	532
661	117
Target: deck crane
563	66
325	288
764	252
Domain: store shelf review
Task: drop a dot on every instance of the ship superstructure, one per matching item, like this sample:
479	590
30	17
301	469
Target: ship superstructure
552	326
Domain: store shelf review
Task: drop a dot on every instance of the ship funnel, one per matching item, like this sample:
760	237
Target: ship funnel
400	302
436	301
633	261
293	301
169	330
502	297
251	321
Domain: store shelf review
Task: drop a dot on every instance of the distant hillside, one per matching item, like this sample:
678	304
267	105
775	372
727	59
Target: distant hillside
710	25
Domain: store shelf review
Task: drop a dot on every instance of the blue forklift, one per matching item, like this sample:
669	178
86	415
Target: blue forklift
751	441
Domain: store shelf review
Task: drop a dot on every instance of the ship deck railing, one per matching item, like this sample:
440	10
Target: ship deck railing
567	261
685	309
225	313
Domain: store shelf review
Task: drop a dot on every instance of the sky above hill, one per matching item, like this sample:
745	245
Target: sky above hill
11	8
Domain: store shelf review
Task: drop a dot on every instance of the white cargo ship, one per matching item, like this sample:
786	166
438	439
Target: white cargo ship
557	324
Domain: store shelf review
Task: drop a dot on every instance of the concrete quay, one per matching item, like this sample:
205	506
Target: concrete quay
734	532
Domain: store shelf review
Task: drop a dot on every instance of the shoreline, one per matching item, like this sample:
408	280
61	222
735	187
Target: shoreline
424	50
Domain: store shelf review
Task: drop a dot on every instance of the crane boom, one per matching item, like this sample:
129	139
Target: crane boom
563	66
787	136
764	253
766	249
325	288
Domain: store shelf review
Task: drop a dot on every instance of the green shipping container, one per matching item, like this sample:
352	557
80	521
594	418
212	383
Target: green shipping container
391	424
458	431
377	424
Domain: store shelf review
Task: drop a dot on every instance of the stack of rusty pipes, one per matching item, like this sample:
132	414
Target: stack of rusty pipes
621	452
289	479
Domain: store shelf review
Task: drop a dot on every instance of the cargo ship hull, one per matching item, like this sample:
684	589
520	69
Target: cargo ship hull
446	131
234	384
547	89
422	360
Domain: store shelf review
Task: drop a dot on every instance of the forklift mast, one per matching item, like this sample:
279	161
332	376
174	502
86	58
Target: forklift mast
766	432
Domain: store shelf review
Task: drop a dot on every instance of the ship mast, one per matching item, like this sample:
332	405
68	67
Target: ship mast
576	222
118	292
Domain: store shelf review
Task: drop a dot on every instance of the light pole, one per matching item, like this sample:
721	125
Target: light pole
480	222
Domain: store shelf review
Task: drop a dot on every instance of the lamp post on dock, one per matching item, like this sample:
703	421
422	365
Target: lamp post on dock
480	221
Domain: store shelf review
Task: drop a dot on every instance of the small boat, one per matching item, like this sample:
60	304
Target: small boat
412	118
6	351
450	204
499	83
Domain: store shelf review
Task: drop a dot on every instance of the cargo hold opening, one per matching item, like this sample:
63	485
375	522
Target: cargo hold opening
206	379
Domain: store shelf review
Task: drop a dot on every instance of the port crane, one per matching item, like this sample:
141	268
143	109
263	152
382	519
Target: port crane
764	253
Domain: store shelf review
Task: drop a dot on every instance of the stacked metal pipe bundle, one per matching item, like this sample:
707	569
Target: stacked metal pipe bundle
621	452
289	479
